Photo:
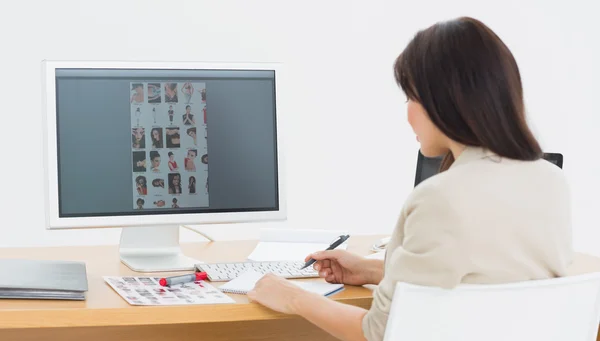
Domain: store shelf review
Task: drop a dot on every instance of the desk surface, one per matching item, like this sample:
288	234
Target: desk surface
106	312
104	307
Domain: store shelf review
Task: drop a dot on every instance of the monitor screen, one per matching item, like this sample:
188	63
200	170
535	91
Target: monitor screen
136	141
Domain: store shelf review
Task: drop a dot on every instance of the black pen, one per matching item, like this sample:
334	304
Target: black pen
335	244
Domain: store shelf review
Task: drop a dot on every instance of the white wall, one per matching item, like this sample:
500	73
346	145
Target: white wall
350	153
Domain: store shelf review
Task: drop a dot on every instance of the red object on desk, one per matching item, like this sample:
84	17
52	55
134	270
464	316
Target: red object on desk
198	276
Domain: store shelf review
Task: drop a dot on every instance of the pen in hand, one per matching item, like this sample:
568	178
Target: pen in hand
338	242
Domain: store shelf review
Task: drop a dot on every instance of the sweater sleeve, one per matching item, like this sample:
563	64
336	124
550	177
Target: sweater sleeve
428	254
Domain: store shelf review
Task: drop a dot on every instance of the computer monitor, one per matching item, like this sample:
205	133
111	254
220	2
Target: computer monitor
127	145
429	166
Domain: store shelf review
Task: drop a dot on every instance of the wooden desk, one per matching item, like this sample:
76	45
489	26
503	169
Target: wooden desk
106	316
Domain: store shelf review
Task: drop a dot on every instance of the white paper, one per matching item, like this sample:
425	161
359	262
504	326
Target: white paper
247	281
293	244
300	235
321	288
275	251
242	283
147	291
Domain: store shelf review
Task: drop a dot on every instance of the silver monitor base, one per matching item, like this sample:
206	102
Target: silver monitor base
154	249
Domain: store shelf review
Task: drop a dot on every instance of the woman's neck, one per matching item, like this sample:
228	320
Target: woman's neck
456	149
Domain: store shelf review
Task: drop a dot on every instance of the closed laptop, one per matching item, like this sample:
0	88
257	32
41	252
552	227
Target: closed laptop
42	279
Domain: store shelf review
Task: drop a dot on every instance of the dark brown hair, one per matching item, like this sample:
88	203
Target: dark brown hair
468	82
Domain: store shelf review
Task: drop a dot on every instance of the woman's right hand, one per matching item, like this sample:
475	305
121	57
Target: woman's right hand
341	266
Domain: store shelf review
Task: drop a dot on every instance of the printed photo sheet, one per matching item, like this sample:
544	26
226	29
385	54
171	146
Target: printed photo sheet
147	291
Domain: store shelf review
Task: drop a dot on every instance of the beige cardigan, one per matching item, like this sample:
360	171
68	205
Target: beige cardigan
485	220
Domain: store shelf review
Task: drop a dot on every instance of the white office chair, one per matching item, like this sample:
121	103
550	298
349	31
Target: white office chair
560	309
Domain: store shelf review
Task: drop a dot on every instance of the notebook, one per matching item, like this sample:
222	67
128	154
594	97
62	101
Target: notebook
246	282
42	279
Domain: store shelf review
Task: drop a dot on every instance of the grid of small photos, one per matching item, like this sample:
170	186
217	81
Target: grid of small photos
147	291
169	145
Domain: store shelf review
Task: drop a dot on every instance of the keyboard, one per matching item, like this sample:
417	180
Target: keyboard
219	272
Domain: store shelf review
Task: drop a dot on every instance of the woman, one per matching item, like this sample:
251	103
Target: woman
171	113
138	113
137	93
174	183
170	92
173	138
138	138
139	161
158	183
192	185
188	118
157	138
188	90
141	186
140	204
188	162
155	160
192	133
172	163
496	213
154	93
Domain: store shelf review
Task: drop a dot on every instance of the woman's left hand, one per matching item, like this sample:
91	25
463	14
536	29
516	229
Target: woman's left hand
276	293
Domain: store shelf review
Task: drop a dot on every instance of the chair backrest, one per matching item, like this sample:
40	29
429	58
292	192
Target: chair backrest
430	166
559	309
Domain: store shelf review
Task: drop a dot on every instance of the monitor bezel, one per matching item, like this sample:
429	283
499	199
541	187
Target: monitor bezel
49	118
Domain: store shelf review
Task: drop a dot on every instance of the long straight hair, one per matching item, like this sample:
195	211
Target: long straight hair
468	82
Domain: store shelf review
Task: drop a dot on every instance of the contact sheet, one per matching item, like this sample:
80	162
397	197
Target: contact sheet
147	291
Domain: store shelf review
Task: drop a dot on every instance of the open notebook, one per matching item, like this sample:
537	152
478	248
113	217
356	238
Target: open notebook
246	282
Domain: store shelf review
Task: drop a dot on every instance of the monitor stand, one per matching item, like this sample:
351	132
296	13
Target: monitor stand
153	249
